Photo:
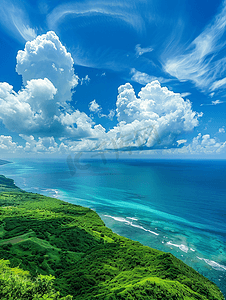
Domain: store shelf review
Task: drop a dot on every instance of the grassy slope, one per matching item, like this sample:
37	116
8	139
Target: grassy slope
51	237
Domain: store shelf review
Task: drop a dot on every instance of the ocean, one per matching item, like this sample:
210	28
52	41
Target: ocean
176	206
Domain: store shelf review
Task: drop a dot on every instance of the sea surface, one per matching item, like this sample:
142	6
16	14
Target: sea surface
177	206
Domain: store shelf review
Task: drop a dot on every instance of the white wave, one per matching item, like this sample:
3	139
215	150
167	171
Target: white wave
54	191
120	219
142	207
134	219
213	264
181	246
141	227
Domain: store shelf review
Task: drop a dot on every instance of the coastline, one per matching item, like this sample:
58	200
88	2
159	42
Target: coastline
104	233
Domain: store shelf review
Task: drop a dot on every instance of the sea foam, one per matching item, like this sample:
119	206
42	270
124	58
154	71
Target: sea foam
120	219
213	264
181	247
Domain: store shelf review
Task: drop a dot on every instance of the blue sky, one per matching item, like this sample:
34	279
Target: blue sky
121	77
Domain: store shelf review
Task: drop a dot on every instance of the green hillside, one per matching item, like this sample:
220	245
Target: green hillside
76	254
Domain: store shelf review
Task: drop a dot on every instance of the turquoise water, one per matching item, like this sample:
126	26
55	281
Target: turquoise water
174	206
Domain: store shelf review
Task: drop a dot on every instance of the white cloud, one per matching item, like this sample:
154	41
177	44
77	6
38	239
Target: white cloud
202	144
43	145
205	144
46	57
40	107
111	114
212	94
84	125
200	62
217	84
29	110
144	78
217	102
140	51
25	31
7	145
183	95
94	107
213	103
153	120
180	142
15	20
221	130
85	80
115	11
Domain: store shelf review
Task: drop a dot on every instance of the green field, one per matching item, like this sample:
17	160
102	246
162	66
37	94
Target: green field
63	249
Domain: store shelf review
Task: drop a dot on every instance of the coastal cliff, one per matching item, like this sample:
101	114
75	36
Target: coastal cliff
64	249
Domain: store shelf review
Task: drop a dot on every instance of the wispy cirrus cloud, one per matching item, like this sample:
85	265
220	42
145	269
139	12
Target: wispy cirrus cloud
185	94
203	61
104	32
122	11
215	102
16	21
144	78
218	84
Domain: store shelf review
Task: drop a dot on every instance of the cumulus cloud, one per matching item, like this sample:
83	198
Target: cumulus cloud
46	57
202	144
155	118
180	142
31	109
221	130
42	145
111	114
94	106
41	112
41	107
7	144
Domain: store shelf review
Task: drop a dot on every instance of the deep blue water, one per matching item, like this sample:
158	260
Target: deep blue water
174	206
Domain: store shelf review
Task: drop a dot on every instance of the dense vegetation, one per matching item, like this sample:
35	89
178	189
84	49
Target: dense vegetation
67	248
17	284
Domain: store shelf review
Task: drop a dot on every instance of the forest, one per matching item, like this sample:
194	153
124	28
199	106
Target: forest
51	249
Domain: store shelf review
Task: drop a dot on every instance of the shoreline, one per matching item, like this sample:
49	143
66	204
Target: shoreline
202	262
